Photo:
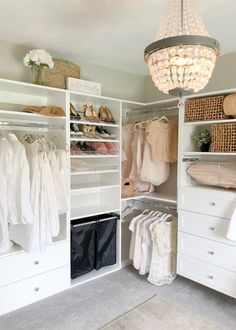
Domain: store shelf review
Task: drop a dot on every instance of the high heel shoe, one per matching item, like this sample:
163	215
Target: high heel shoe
110	115
105	114
90	113
73	113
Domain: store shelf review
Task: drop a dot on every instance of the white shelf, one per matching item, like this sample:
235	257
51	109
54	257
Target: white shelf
209	122
91	210
87	186
94	171
20	116
198	153
87	139
87	122
14	250
154	196
95	274
93	156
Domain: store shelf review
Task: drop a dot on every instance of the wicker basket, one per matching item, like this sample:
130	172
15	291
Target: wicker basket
56	77
207	108
223	137
127	188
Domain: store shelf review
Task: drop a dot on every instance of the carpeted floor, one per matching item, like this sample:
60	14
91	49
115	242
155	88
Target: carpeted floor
92	305
158	313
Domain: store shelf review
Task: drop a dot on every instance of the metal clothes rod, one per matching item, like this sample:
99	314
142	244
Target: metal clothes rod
157	204
137	113
95	221
12	124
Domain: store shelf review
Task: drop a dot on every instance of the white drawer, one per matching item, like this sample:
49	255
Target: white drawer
205	226
207	201
25	292
22	265
214	277
215	253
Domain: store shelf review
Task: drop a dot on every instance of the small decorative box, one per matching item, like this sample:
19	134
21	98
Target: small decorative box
83	86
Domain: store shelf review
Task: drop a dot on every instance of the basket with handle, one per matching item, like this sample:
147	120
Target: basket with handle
127	188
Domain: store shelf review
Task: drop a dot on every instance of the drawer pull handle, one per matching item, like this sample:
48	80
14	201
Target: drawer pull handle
211	252
36	289
210	277
36	262
212	203
212	228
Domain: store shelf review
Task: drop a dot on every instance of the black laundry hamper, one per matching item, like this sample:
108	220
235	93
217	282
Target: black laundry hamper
93	243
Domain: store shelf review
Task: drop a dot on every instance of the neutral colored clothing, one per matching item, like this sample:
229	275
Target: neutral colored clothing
163	140
127	139
19	205
132	228
163	262
5	173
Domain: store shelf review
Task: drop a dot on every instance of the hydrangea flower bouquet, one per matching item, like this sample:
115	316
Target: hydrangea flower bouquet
37	60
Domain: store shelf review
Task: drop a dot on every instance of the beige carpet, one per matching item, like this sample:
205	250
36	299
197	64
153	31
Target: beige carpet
159	314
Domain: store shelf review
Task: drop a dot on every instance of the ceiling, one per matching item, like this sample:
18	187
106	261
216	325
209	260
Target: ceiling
110	33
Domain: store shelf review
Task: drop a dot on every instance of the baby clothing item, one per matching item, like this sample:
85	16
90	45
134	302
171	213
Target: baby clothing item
5	173
127	139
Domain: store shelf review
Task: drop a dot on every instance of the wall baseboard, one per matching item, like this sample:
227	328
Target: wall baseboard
126	263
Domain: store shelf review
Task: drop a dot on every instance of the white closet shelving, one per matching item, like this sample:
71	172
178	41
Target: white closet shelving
205	255
28	274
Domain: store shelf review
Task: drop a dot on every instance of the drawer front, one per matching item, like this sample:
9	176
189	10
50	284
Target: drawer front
25	292
215	253
220	204
23	265
205	226
212	276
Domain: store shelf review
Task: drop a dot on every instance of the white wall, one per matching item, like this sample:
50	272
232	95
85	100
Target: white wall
224	77
115	83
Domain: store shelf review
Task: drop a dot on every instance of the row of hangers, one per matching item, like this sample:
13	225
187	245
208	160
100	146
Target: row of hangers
135	207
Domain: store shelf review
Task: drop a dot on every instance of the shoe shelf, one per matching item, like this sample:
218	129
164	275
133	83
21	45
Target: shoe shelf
94	171
91	139
94	156
86	186
86	122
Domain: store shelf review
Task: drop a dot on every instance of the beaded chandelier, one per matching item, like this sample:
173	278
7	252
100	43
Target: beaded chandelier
182	58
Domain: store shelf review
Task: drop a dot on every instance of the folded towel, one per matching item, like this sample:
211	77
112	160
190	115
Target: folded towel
231	233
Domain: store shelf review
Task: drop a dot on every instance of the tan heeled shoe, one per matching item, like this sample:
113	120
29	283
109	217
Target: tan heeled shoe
90	113
102	113
110	115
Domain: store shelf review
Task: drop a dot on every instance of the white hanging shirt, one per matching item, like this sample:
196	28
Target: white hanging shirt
5	173
28	236
19	206
59	181
132	228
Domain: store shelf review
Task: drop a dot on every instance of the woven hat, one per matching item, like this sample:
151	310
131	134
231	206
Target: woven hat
45	111
229	105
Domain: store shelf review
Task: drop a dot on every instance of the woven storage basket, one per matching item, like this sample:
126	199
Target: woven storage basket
223	137
207	108
127	188
56	77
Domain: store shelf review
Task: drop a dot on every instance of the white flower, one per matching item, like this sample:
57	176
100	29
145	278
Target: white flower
38	57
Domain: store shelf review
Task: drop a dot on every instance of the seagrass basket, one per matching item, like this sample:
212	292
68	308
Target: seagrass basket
207	108
223	138
62	69
127	188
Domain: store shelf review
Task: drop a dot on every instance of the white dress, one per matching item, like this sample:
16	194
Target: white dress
5	173
28	235
163	263
137	244
146	245
19	206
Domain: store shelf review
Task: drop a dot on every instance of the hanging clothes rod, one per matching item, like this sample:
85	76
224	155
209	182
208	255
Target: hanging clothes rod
143	112
95	221
156	205
14	125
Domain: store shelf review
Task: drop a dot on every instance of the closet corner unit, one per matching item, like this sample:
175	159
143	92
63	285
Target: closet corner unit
25	276
205	205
